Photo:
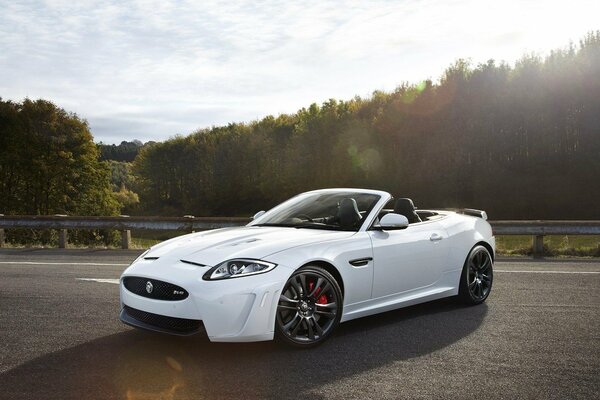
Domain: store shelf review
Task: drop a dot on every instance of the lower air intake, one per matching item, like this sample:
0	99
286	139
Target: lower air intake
163	323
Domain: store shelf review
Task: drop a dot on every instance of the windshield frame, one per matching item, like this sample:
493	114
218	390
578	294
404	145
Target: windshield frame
384	197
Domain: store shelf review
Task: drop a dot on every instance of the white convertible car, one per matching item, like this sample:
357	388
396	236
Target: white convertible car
301	268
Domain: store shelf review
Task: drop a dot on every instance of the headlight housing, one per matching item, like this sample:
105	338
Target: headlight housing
237	268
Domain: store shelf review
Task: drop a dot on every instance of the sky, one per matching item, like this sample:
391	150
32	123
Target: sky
150	70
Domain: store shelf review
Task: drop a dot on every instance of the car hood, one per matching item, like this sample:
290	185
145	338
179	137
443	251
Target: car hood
215	246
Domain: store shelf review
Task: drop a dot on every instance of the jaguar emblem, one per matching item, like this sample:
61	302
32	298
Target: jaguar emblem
149	287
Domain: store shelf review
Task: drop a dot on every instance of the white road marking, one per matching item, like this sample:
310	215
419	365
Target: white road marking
60	263
114	281
548	272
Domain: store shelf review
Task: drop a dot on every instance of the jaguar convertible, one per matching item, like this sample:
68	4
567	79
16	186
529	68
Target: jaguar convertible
298	270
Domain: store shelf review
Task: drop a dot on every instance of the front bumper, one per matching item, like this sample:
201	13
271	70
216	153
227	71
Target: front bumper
231	310
160	323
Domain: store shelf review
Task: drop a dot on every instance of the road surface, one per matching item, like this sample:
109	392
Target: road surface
537	336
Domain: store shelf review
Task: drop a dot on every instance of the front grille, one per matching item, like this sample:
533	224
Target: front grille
154	289
176	325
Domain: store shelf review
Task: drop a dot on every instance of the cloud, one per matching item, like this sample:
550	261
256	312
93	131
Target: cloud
151	69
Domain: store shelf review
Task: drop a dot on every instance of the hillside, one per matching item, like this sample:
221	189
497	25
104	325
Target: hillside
520	141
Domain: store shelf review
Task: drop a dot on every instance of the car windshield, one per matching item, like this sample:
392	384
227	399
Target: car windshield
344	211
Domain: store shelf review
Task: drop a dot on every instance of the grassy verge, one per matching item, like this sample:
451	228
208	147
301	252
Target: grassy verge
554	245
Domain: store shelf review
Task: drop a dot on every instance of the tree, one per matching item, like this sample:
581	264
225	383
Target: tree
49	163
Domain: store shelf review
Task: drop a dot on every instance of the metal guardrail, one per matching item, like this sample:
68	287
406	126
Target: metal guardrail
537	229
546	227
123	223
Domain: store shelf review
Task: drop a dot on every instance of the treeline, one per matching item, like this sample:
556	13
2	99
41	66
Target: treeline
123	152
519	141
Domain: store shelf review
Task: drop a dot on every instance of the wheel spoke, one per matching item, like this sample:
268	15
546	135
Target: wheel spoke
303	285
485	264
297	288
295	330
317	326
325	288
311	332
287	299
297	318
316	287
330	306
472	266
326	314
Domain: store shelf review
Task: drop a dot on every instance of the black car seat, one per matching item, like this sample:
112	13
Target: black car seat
407	208
348	214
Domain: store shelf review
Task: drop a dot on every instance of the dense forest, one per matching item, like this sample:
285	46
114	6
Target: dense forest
521	141
123	152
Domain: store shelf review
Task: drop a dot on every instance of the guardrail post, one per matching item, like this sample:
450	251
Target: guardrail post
125	236
192	223
1	234
125	239
62	235
62	238
538	246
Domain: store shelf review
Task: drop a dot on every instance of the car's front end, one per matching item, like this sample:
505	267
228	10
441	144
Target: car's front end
221	281
173	296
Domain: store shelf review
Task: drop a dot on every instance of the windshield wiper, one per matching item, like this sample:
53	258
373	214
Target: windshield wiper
317	226
270	224
309	225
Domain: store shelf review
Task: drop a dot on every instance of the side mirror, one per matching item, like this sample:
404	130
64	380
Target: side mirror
258	214
393	221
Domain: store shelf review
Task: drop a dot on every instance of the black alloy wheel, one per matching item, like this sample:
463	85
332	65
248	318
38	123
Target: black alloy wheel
477	276
309	308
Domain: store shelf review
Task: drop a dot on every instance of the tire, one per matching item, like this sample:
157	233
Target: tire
309	308
477	276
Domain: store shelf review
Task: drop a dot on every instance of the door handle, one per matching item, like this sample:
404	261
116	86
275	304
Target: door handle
435	237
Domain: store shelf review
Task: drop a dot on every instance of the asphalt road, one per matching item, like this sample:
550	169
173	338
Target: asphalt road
537	337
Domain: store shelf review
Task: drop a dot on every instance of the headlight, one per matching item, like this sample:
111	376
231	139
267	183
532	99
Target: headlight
237	268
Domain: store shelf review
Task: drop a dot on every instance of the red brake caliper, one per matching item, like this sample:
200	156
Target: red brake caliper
322	299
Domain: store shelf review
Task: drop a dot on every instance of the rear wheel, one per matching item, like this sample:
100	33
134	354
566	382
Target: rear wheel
309	308
477	276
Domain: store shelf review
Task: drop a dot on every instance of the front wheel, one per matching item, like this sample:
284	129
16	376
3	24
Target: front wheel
477	276
309	308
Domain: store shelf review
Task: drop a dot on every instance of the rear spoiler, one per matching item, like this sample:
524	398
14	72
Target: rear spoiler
467	211
472	212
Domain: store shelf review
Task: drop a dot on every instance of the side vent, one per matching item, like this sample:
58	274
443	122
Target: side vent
193	263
